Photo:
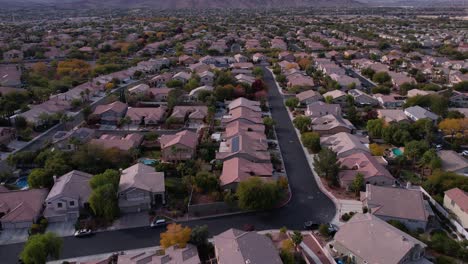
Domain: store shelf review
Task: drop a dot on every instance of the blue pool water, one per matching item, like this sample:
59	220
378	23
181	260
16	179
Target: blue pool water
148	161
397	152
22	183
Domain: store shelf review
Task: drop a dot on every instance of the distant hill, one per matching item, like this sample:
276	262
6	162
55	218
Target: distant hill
179	4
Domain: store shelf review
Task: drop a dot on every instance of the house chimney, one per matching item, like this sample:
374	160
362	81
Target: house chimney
408	185
55	178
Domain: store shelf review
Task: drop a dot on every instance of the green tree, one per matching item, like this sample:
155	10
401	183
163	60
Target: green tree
38	178
311	140
302	123
358	183
206	182
297	238
199	236
375	128
327	166
415	149
108	177
292	102
323	230
255	194
103	202
40	247
368	72
381	77
431	159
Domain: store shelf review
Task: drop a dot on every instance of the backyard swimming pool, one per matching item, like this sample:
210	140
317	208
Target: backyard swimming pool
148	161
397	152
22	183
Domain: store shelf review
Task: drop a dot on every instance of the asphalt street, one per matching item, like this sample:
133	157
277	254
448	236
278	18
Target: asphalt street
307	202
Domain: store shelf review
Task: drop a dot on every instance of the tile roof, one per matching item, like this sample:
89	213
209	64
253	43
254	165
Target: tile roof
238	247
396	202
142	177
374	240
459	197
185	137
22	206
239	169
74	184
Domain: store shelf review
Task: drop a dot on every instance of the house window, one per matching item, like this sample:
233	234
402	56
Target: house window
59	205
72	203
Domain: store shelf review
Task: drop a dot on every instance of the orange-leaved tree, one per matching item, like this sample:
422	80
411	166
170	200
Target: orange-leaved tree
175	235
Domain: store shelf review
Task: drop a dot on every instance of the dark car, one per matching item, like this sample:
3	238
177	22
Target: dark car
83	233
309	225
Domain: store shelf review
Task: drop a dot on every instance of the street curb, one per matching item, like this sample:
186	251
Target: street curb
317	178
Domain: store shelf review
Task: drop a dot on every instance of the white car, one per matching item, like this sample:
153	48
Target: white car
465	153
158	223
83	232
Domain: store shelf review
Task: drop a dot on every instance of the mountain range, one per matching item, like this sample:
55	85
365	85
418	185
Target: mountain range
178	4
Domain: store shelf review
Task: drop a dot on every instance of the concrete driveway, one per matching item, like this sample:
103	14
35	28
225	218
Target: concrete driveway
62	229
9	236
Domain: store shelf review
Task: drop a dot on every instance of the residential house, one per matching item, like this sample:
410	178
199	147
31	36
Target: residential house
331	124
195	92
399	78
452	161
308	97
69	194
366	165
170	255
345	81
319	109
235	247
236	170
243	113
456	201
459	99
286	56
300	80
345	144
110	114
194	114
146	115
337	97
206	78
20	209
183	77
404	205
70	140
258	58
142	88
114	141
244	102
244	78
239	58
250	147
416	92
362	99
13	55
242	127
378	242
7	134
416	113
160	80
392	115
186	60
179	146
140	188
391	101
159	94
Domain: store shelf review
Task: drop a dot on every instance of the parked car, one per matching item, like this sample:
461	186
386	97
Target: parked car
158	223
83	233
309	225
332	229
465	153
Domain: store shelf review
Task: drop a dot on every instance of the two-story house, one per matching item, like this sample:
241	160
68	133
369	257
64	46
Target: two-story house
69	193
140	188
